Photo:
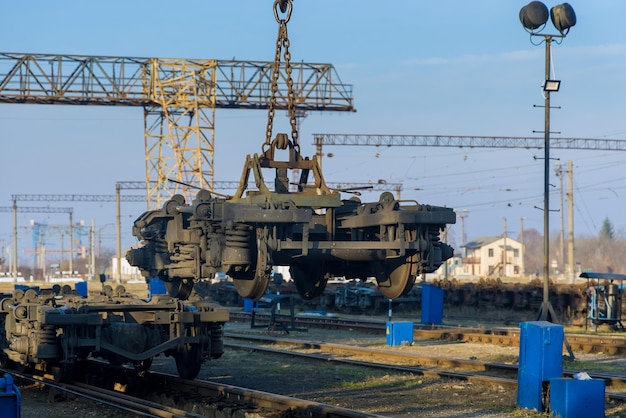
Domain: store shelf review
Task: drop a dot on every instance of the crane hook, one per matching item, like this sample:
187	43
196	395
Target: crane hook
285	6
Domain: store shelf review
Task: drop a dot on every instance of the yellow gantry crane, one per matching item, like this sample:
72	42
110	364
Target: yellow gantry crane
179	98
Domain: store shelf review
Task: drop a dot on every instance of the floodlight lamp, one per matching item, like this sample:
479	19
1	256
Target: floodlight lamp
563	17
552	85
534	15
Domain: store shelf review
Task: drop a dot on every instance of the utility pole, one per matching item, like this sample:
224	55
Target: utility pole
445	265
521	237
559	174
118	222
61	258
504	271
14	239
71	246
462	215
92	249
570	222
78	198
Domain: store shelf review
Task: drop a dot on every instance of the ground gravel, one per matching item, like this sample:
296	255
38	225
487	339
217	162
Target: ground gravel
367	390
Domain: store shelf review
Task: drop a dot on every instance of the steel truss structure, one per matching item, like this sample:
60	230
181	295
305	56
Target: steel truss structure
179	98
377	140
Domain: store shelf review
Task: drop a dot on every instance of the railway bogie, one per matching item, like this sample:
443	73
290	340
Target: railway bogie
313	231
54	331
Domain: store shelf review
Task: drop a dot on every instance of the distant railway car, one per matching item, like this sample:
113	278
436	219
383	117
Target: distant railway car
55	331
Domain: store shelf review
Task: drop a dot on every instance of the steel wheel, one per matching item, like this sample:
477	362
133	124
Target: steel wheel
63	372
398	279
179	288
397	276
188	361
255	287
144	365
309	279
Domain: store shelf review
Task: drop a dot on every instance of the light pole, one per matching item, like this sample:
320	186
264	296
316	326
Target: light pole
534	17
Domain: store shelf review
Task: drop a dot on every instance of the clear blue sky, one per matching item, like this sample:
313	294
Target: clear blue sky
445	67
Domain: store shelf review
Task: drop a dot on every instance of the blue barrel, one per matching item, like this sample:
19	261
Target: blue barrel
10	399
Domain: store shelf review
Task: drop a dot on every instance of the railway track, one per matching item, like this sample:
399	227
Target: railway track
500	374
582	343
120	401
155	392
269	404
463	370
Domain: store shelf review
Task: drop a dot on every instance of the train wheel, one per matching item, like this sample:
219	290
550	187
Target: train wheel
255	288
252	289
179	288
188	361
396	277
64	372
144	365
309	279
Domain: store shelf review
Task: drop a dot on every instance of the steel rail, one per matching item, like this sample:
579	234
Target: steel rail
613	381
218	391
421	371
260	399
610	345
371	352
116	400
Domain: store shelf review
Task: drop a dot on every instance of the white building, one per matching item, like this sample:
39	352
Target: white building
491	257
129	273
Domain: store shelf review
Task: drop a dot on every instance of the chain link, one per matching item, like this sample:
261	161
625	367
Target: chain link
282	42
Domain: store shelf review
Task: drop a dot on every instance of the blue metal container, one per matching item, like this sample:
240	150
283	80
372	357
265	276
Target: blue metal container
25	287
432	304
248	305
399	332
81	289
10	398
570	398
156	287
540	359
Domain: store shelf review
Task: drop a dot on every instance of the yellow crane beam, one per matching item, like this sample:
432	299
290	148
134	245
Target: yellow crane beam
179	97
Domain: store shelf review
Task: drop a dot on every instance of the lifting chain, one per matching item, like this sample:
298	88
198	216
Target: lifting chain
285	7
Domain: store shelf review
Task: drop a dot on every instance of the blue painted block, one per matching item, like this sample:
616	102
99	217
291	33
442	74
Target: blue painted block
399	332
432	304
540	359
570	398
10	398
